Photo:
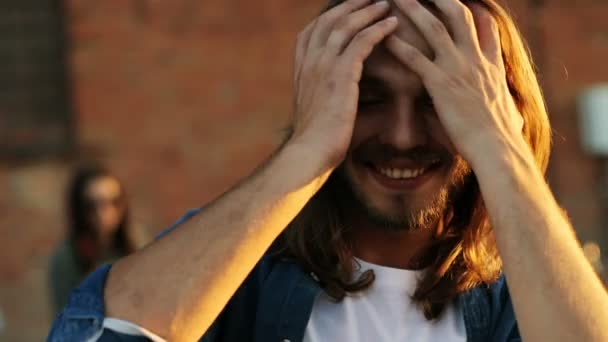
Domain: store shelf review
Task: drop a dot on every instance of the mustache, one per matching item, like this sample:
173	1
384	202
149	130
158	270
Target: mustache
420	154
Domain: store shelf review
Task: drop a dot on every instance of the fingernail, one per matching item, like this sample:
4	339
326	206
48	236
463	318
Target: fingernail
382	3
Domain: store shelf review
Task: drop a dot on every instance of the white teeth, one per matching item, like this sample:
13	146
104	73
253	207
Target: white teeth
402	173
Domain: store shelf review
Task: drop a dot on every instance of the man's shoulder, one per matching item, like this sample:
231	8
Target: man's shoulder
488	309
271	281
492	297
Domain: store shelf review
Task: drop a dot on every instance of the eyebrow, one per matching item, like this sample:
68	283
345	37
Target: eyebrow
372	81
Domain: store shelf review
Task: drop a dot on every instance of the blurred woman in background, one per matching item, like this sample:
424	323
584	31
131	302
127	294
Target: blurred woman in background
98	231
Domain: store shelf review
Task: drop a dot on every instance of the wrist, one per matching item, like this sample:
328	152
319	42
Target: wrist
299	165
502	157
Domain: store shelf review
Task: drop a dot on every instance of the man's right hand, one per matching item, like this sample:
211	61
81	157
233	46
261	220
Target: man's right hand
328	65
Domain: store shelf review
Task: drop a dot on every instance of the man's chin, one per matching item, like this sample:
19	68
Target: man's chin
397	211
407	218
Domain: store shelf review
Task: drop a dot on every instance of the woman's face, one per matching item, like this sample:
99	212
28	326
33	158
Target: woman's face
106	204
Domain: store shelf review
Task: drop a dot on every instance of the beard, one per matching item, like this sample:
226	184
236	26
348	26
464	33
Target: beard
409	217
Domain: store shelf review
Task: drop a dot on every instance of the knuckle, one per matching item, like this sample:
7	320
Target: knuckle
337	37
409	53
344	24
438	28
455	9
363	36
324	21
313	26
442	79
385	23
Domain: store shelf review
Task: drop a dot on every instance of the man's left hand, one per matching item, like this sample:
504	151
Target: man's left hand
466	79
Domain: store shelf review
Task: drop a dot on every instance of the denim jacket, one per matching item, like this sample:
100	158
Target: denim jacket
274	303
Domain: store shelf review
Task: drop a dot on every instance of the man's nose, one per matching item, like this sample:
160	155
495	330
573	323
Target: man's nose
404	129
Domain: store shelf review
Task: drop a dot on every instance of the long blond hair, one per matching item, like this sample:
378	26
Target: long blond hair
467	255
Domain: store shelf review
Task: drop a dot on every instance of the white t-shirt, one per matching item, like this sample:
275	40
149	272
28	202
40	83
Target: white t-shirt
382	313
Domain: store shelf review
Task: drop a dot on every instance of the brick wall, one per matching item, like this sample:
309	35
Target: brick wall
182	98
575	44
34	113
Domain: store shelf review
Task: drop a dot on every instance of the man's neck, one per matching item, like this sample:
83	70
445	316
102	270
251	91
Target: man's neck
405	250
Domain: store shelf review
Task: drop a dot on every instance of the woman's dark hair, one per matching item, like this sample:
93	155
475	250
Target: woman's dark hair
82	234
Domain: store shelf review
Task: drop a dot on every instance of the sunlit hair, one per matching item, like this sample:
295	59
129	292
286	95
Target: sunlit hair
81	228
467	255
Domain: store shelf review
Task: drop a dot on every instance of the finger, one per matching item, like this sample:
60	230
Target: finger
325	23
461	22
433	30
352	24
364	42
301	47
411	57
488	34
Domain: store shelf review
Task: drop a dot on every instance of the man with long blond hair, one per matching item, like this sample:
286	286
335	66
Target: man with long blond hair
409	192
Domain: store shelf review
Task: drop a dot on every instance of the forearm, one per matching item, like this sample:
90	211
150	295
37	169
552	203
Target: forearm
555	292
177	286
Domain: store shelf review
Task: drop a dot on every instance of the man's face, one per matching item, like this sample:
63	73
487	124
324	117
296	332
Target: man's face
401	165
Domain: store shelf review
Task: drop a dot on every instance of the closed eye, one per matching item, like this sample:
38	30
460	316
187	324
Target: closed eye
368	99
372	93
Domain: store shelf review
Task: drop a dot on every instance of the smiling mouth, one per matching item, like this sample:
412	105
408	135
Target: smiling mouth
399	175
395	173
404	173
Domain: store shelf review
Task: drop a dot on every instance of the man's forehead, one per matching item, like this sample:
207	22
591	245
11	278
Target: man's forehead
406	31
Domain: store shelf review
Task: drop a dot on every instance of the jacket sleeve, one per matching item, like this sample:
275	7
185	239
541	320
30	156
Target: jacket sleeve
504	320
82	318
